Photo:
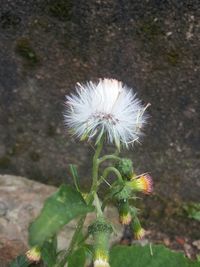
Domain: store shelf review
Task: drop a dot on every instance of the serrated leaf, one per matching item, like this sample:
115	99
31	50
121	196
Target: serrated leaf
20	261
157	256
60	208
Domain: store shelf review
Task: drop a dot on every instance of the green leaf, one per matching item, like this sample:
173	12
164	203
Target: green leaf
156	256
20	261
60	208
75	176
77	259
192	210
49	252
198	257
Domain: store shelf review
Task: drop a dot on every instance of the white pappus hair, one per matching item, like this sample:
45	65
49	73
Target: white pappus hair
107	107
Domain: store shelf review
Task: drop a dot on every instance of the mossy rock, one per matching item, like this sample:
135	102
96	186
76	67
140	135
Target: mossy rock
173	57
35	156
150	29
26	51
62	9
4	162
9	20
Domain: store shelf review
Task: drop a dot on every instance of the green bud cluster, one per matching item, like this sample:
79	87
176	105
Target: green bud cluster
124	193
125	167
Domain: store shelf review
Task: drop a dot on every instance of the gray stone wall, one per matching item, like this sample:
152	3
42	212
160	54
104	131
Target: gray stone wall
152	46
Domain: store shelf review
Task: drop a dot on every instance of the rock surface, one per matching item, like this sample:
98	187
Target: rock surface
20	202
152	46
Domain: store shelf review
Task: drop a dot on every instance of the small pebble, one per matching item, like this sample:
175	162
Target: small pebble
196	243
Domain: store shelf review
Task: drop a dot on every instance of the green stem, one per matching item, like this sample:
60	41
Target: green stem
95	168
108	170
89	200
107	157
98	205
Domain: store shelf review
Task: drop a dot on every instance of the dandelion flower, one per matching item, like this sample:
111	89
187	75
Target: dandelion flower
107	107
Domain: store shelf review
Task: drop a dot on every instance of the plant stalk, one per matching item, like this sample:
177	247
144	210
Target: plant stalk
107	157
108	170
89	200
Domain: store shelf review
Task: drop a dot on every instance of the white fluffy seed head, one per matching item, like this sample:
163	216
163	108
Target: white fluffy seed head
107	107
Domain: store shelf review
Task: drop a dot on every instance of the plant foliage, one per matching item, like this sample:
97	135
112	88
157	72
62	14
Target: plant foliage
151	256
60	208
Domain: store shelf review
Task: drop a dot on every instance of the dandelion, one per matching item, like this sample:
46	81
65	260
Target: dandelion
107	107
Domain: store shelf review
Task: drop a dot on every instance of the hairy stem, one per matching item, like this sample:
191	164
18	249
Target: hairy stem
89	200
107	157
108	170
98	205
95	168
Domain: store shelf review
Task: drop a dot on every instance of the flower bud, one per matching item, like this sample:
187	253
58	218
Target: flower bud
142	184
123	193
138	231
124	212
101	232
125	167
34	254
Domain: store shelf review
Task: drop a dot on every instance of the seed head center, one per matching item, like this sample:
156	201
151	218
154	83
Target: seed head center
107	117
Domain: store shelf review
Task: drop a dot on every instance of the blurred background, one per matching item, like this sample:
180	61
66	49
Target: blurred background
46	46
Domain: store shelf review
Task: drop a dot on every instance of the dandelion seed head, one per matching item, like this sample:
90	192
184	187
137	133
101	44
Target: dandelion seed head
106	107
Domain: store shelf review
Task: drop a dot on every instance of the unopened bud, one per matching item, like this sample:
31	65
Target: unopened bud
101	232
100	260
124	193
138	231
124	212
34	254
142	184
125	167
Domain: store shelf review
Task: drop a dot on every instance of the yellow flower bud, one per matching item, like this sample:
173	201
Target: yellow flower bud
138	231
142	184
34	254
